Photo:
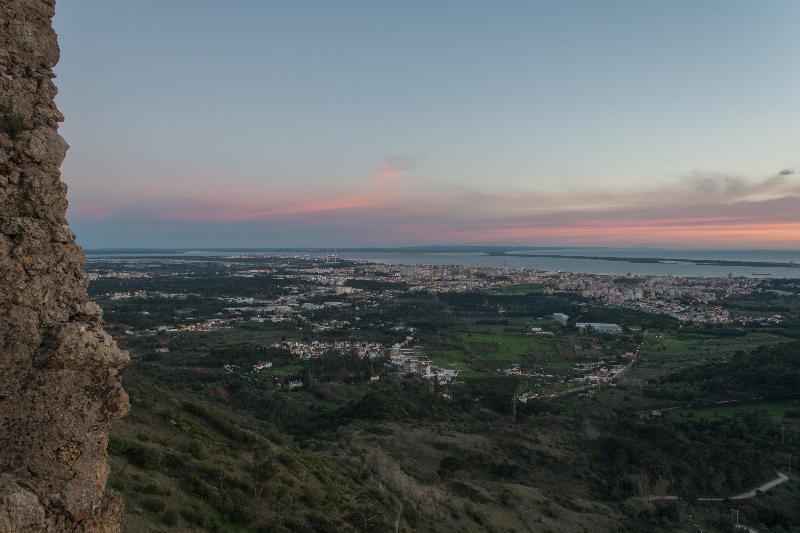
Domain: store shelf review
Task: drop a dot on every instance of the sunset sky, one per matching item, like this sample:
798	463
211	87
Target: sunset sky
291	123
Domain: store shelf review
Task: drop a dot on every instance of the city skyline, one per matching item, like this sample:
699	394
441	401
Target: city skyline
284	124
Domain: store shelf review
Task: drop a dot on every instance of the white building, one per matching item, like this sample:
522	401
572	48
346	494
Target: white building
600	327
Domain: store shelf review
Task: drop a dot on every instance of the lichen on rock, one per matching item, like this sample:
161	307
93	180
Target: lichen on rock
59	370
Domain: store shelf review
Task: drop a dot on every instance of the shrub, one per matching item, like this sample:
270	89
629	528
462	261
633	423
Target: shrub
475	514
193	448
173	460
193	516
287	459
170	517
143	456
154	505
311	496
449	465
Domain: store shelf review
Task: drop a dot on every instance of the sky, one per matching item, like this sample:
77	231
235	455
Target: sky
200	123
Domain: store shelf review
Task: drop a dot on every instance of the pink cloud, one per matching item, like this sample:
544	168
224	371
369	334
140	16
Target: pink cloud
243	209
393	168
703	211
632	232
326	205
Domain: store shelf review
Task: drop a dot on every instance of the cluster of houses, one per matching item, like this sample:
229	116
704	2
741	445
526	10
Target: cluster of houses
261	365
773	320
290	384
687	299
597	372
412	360
315	349
212	324
587	377
144	294
119	275
258	367
421	365
540	377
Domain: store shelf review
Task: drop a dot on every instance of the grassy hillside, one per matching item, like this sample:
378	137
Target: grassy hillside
199	457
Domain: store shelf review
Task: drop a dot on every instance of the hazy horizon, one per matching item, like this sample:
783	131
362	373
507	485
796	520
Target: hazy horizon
435	248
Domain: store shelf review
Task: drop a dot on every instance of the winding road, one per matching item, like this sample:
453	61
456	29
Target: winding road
782	478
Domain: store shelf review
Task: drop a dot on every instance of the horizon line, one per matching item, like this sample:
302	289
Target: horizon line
416	247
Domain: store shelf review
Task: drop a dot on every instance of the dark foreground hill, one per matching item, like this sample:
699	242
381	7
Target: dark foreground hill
393	454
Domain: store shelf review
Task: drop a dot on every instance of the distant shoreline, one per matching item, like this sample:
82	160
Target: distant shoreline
618	261
656	260
453	248
488	251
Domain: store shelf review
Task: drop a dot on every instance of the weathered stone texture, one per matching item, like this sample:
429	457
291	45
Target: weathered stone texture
59	371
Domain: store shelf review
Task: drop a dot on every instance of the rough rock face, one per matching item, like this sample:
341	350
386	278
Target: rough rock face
59	371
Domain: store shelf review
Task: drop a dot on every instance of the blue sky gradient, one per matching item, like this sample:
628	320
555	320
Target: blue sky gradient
252	123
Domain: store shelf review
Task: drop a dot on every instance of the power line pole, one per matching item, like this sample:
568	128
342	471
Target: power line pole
735	516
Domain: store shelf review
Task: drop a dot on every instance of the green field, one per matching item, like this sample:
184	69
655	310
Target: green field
690	346
520	289
482	350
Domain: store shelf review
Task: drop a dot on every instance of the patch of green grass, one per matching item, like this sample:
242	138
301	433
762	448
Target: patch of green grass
687	346
481	350
521	289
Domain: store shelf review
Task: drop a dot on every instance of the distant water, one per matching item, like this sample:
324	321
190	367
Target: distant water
599	266
551	264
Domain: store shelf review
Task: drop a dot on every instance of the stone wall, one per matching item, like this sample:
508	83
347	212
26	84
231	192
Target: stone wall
59	371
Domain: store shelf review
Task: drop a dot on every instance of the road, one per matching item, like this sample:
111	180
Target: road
782	478
399	512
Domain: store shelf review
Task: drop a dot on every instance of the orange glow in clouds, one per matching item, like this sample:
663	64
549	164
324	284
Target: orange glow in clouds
640	231
387	208
244	211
